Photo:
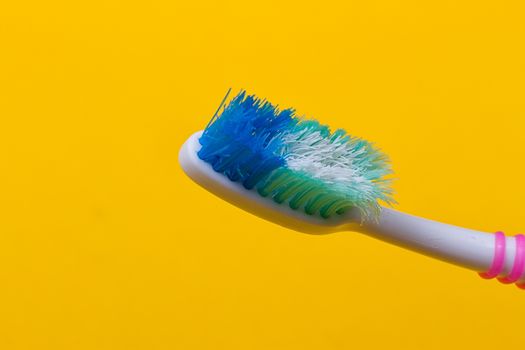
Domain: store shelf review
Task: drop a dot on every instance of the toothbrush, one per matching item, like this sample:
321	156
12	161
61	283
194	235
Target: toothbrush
297	173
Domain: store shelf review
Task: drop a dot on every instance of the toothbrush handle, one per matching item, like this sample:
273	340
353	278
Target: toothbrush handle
464	247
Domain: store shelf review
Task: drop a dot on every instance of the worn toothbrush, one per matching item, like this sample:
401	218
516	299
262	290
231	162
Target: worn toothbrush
299	174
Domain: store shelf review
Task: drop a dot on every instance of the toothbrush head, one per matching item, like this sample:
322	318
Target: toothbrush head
285	168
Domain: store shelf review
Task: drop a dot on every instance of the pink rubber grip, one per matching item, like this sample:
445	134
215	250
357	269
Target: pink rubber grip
499	257
498	262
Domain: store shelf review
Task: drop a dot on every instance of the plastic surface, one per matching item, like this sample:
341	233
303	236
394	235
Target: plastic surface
464	247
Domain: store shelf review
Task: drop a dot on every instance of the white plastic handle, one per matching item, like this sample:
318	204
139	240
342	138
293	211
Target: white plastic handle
468	248
460	246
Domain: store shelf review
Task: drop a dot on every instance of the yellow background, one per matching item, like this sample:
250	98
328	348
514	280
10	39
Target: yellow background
106	244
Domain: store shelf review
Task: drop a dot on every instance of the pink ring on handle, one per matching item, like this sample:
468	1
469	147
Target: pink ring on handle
519	262
499	257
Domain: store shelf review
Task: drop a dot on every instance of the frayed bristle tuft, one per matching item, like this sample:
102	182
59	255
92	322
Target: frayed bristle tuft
295	161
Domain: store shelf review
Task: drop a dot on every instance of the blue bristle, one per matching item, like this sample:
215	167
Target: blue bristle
241	143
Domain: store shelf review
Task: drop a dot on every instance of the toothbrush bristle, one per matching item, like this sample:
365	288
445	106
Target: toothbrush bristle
295	161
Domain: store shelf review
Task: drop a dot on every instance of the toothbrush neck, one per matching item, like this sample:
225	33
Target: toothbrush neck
460	246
